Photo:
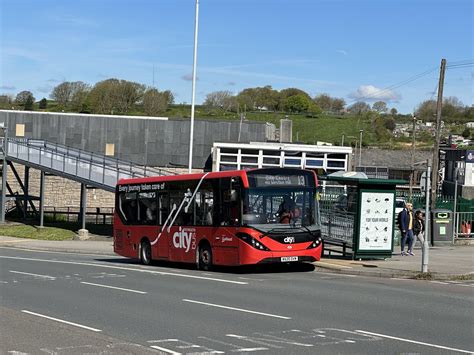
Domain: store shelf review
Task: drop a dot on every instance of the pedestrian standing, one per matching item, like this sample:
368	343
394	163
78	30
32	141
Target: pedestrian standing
406	228
419	228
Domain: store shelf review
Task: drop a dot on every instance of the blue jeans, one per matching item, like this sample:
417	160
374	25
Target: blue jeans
407	237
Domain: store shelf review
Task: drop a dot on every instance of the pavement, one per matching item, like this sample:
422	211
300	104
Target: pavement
446	262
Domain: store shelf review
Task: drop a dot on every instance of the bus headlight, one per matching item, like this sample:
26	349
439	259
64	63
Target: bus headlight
316	243
252	241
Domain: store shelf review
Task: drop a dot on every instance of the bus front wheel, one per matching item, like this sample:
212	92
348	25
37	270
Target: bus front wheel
205	257
145	252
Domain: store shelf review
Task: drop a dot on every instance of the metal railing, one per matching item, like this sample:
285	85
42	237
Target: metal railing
92	168
463	223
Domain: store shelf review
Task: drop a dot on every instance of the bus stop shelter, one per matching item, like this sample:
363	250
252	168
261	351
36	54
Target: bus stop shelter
371	205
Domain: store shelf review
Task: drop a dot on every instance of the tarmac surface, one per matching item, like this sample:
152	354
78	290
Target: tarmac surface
446	262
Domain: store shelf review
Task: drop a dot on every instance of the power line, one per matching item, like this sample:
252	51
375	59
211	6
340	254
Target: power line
395	86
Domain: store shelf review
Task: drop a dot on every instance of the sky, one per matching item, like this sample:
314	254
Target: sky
367	50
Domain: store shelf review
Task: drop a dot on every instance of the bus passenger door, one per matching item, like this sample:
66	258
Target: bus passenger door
164	243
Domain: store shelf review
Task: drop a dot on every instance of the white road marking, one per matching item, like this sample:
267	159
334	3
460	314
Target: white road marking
415	342
162	340
56	252
246	350
164	273
61	321
165	350
333	274
37	275
113	287
439	282
236	309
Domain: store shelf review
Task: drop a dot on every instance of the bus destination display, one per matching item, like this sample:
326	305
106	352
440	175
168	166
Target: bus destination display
265	180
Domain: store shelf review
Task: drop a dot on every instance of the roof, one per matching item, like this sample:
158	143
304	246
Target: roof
353	179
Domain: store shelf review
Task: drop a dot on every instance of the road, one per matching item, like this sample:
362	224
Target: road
59	303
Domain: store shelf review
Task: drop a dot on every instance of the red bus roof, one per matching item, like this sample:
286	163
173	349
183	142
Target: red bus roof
210	175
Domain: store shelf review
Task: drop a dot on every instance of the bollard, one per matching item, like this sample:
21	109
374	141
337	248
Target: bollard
425	255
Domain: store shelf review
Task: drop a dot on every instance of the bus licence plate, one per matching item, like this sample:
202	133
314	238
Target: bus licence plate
285	259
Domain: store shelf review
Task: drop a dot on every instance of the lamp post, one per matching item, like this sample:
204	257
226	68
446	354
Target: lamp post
4	171
360	147
191	131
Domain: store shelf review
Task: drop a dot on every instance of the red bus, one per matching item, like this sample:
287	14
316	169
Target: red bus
220	218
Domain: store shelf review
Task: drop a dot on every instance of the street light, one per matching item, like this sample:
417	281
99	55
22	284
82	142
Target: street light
360	148
193	98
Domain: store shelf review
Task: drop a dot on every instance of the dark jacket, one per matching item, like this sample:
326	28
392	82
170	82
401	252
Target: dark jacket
418	226
405	219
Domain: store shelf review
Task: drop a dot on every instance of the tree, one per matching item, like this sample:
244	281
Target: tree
426	110
115	96
29	103
220	100
6	100
324	101
338	104
389	123
25	99
297	103
393	111
284	94
155	101
466	133
43	103
328	103
71	94
359	108
380	106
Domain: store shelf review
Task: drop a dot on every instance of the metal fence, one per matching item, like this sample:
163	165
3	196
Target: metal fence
463	222
442	201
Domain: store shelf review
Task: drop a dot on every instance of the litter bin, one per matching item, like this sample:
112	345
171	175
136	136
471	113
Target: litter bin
441	226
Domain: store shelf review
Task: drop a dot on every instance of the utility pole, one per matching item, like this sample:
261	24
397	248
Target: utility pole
439	105
412	175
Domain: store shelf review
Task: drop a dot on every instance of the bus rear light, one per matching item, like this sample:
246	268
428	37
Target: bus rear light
252	241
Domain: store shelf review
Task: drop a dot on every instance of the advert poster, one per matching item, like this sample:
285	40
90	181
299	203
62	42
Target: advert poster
376	221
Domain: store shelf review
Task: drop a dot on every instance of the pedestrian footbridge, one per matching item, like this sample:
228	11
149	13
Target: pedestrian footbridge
89	169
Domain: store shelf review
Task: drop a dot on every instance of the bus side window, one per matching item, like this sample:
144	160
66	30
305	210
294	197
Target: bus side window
163	203
128	207
147	208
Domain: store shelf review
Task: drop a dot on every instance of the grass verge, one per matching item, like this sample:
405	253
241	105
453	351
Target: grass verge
31	232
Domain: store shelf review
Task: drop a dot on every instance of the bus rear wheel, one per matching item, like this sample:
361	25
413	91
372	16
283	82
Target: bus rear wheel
145	252
205	257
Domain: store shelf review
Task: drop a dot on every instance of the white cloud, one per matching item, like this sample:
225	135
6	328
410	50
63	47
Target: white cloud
342	51
372	93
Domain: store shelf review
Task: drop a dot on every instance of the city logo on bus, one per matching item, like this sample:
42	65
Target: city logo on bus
185	238
289	240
